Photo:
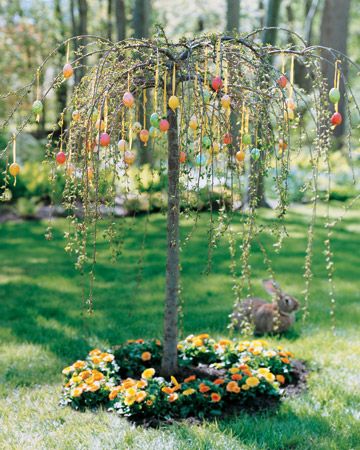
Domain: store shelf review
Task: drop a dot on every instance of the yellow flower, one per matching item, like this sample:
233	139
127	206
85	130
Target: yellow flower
94	387
90	380
108	357
197	342
140	396
94	352
131	392
263	370
174	381
224	342
67	370
270	353
85	374
203	336
256	351
128	383
146	356
270	377
189	391
76	379
130	400
241	348
252	381
234	370
141	384
245	387
77	392
96	359
97	375
148	374
180	346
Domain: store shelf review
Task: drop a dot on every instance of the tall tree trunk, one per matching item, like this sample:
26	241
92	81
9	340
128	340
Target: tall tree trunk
120	20
142	24
233	15
78	12
333	34
169	361
109	20
61	92
256	185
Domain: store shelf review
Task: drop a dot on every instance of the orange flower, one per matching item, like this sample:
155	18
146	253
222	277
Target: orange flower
190	378
128	383
79	364
85	374
139	341
108	357
236	377
140	396
280	379
96	359
173	397
94	352
285	360
94	387
167	390
158	342
198	342
203	336
97	375
232	386
77	392
219	381
114	393
146	356
149	402
252	381
215	397
203	388
224	342
141	384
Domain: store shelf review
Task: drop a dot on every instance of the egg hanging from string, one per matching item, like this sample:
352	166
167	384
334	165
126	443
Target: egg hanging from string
206	95
37	107
216	83
68	71
290	103
227	138
334	95
75	115
14	169
122	145
128	99
255	153
153	132
336	119
174	102
164	125
215	148
240	156
137	127
182	157
225	101
193	123
144	136
282	81
200	159
100	124
60	158
246	139
206	141
129	158
154	119
282	144
104	139
90	173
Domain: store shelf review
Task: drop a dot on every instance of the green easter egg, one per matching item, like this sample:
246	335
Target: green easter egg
334	95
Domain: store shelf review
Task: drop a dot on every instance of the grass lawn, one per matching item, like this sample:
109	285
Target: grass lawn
41	331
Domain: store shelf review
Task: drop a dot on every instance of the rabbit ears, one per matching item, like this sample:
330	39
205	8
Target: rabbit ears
272	287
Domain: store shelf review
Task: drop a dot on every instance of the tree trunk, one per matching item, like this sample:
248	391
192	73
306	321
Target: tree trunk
78	12
120	20
256	186
109	20
169	361
233	15
61	92
333	34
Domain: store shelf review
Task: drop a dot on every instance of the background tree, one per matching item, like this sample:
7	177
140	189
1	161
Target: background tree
232	15
120	14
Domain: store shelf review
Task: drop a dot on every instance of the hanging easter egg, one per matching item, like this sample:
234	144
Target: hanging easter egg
90	173
37	107
129	157
200	159
206	96
70	170
225	101
14	169
334	95
282	144
75	116
104	140
174	102
193	123
216	83
182	157
289	114
246	139
68	71
122	145
137	127
290	104
164	125
255	153
206	141
227	138
153	132
100	125
240	156
282	81
60	158
144	136
128	99
336	119
154	119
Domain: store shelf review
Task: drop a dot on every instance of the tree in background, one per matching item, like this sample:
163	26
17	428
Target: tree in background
334	34
120	14
233	15
79	21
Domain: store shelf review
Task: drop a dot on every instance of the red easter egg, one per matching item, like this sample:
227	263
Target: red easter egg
182	157
227	139
164	125
336	119
68	71
61	158
128	99
282	81
104	139
216	83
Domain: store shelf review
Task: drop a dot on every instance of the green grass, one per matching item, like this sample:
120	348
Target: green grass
42	330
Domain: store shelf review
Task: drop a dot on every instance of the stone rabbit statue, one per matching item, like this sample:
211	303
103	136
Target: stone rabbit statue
266	317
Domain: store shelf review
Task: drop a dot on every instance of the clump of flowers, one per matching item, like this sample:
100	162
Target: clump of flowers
88	383
218	376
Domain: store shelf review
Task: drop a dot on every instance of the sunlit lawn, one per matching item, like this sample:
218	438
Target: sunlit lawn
42	330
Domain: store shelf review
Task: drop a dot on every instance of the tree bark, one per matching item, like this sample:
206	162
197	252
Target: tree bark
272	20
120	20
169	361
233	15
333	34
61	92
78	12
109	20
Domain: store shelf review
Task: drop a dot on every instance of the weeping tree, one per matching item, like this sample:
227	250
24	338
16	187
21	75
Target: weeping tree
194	85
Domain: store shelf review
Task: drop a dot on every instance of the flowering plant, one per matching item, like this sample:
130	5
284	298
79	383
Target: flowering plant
88	383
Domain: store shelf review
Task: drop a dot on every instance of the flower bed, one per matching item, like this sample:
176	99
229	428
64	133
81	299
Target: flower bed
215	377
